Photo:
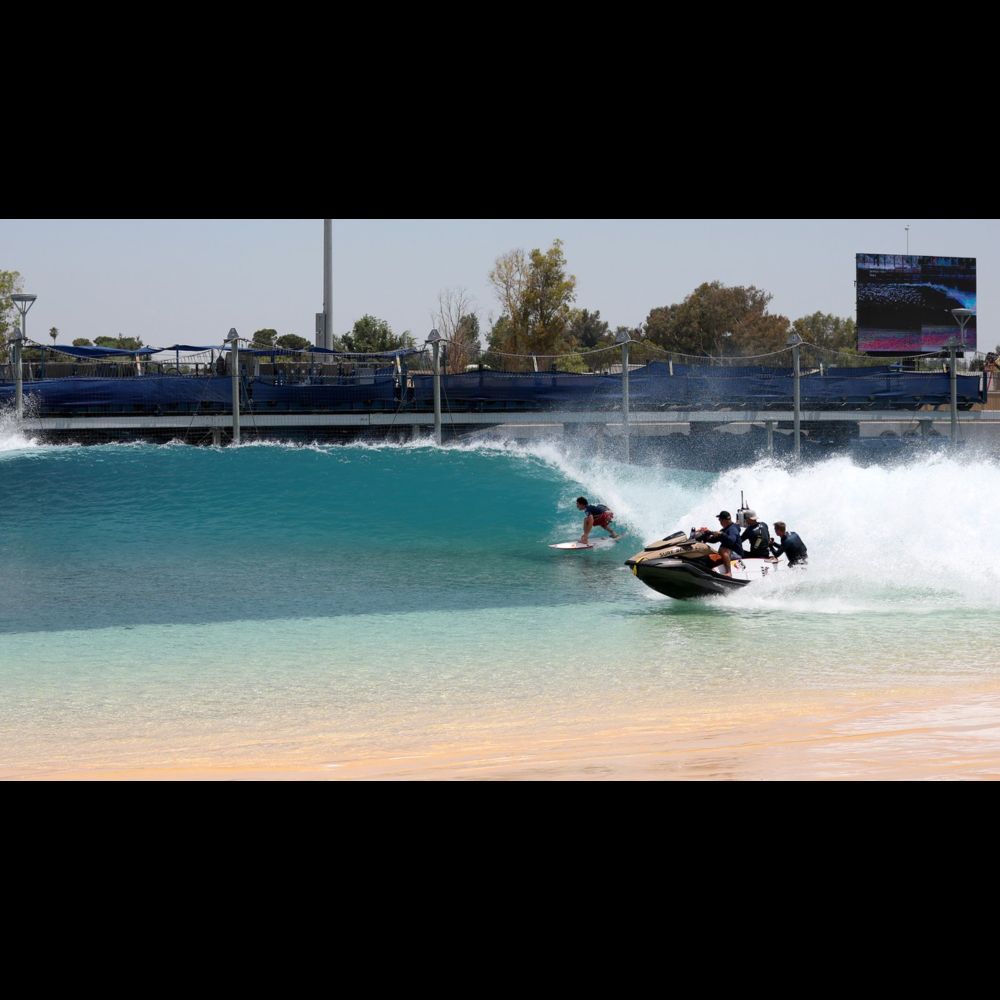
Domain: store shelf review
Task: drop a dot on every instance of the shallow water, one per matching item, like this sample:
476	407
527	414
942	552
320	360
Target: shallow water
175	603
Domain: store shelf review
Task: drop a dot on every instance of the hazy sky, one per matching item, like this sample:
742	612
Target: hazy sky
190	280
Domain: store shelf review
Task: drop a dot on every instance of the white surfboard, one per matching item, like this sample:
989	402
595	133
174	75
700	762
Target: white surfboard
570	545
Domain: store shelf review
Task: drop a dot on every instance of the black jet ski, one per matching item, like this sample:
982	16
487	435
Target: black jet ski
683	566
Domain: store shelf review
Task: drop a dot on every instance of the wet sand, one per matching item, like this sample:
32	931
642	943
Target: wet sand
930	734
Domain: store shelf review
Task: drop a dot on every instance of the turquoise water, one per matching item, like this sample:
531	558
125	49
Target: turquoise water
164	605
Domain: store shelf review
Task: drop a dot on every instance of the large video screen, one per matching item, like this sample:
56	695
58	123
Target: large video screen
905	302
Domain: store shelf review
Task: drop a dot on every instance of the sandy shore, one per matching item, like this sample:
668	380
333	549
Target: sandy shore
930	734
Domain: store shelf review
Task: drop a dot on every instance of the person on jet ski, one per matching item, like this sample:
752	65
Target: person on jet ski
756	536
730	543
792	547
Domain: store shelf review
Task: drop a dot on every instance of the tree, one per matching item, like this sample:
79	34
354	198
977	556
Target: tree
459	325
587	330
828	331
53	333
10	282
263	339
372	335
465	347
717	320
121	342
535	295
82	342
293	342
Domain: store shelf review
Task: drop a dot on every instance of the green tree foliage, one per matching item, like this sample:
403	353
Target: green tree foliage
293	342
263	339
121	343
828	331
53	333
535	293
700	324
588	331
372	335
573	363
10	282
465	347
82	342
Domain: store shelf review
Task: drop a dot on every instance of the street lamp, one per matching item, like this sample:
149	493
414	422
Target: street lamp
962	316
624	338
434	339
23	303
794	342
954	345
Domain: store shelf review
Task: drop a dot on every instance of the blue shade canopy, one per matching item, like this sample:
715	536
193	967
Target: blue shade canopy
100	352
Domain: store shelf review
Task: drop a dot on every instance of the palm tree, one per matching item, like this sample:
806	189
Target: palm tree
53	333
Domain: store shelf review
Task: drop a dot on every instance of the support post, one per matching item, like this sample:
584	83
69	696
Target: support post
234	360
434	339
23	301
962	316
327	284
953	379
15	359
770	436
793	342
624	339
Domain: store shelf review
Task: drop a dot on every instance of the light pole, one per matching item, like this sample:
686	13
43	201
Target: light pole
962	316
233	339
793	342
434	339
23	303
907	228
625	338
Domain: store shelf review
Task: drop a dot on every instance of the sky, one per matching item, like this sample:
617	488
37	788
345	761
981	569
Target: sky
191	280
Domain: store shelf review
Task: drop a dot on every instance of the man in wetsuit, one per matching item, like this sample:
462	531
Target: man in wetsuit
792	547
756	536
597	516
730	543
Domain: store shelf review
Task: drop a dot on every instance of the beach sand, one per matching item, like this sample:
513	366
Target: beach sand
924	734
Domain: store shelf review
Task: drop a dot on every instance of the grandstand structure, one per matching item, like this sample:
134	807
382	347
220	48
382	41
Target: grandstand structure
234	391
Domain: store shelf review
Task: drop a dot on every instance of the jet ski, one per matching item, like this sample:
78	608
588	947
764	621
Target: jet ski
683	566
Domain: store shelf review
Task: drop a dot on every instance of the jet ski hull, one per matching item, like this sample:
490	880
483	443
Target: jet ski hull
680	579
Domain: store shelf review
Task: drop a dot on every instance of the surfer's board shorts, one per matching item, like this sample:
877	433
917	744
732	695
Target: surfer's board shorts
603	520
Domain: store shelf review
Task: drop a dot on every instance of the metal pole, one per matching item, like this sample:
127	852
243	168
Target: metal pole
234	360
625	406
954	393
770	437
798	402
16	342
437	394
328	284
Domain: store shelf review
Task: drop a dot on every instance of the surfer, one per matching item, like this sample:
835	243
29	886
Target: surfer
597	516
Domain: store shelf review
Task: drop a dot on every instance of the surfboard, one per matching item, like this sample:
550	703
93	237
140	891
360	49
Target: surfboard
570	545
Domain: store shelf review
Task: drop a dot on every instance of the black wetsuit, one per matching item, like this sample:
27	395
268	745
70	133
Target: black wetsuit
759	541
792	548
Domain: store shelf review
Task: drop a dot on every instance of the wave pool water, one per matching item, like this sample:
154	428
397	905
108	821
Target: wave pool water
176	603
